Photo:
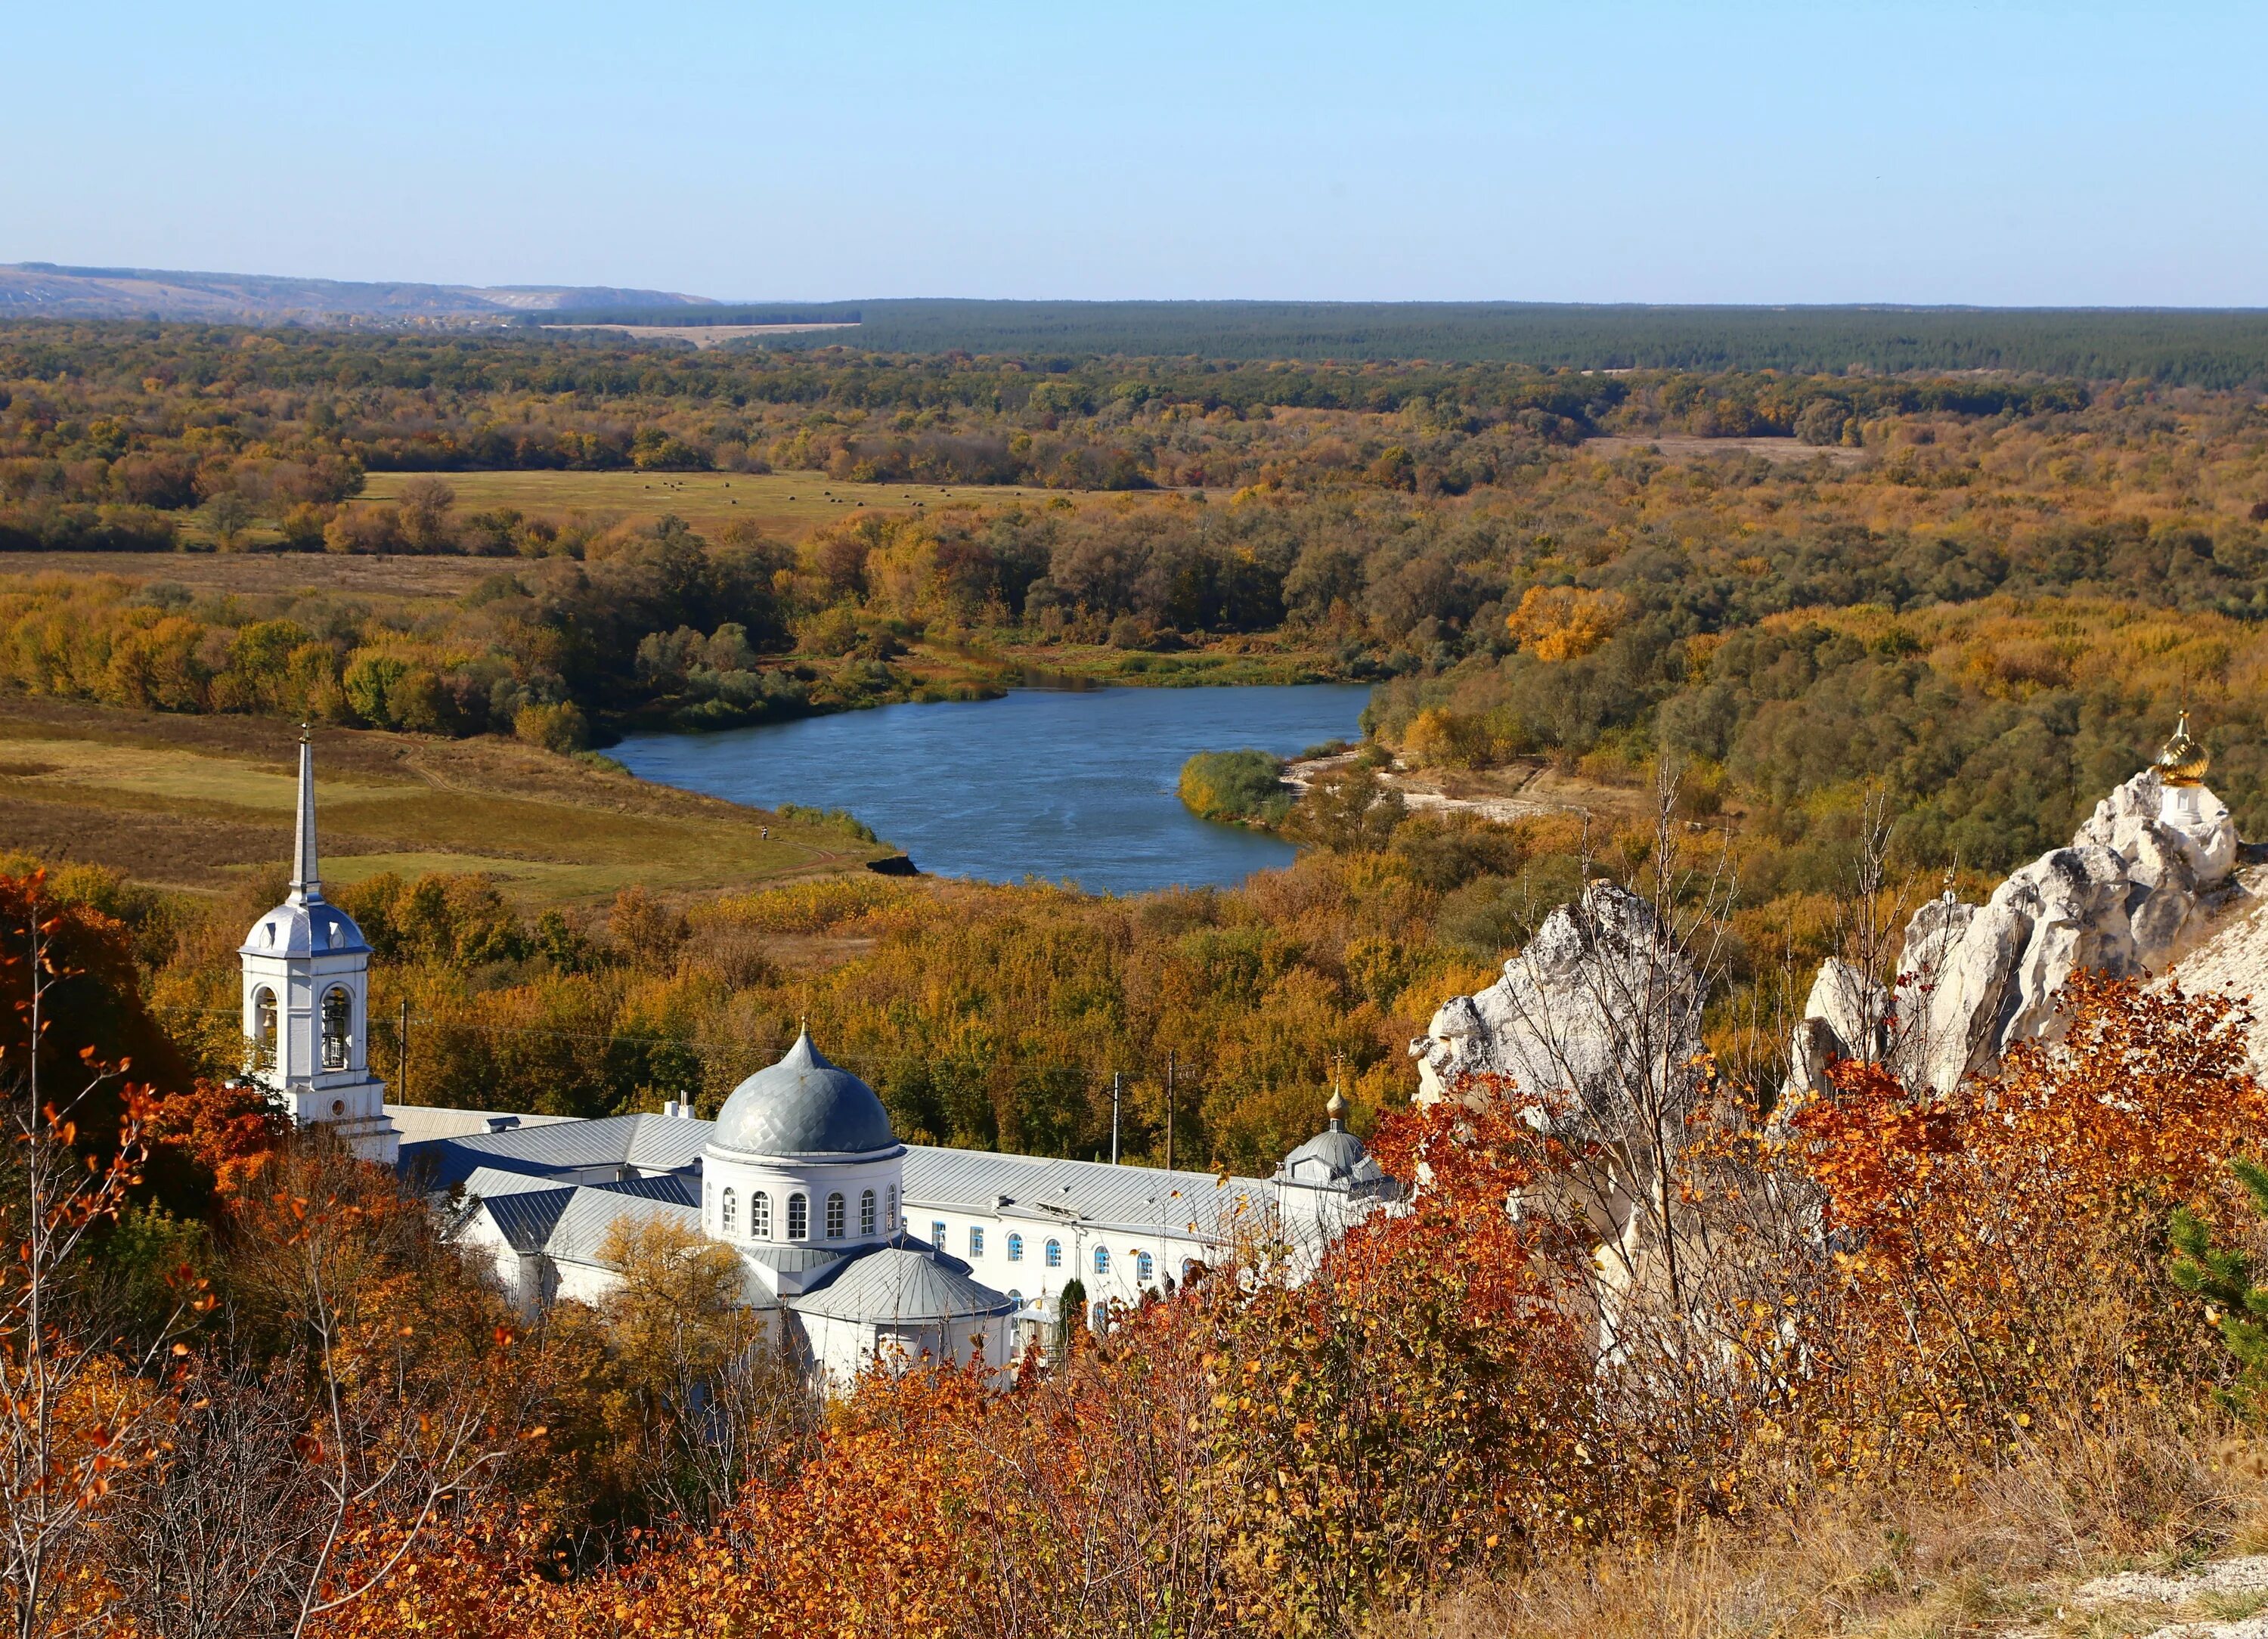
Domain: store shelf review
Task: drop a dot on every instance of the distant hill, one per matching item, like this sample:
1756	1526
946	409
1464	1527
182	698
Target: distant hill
43	290
2199	346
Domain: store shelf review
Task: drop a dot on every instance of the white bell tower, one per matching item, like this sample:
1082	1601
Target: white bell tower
306	1002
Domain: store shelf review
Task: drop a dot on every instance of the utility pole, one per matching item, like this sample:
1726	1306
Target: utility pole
401	1040
1169	1111
1116	1078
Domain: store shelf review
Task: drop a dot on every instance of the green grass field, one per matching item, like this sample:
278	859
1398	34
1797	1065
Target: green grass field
202	802
783	504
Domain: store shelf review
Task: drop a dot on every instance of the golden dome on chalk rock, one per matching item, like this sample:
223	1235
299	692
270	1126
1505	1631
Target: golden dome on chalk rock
2183	761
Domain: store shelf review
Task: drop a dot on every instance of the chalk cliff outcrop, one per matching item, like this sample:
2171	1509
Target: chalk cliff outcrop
2140	883
1601	1005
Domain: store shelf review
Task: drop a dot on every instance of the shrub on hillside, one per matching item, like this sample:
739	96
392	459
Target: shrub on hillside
559	728
1244	786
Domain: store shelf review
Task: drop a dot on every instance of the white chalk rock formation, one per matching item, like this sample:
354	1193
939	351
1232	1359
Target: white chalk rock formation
1847	1016
2139	885
1977	980
1601	1005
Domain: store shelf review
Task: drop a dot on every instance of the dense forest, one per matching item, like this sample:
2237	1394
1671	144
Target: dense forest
2198	348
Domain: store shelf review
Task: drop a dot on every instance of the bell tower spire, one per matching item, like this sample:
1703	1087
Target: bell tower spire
307	876
307	1001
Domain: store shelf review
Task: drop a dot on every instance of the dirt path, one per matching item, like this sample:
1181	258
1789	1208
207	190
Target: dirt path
1536	790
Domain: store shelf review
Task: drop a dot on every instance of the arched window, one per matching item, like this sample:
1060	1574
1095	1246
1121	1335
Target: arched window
1054	1255
1188	1266
338	1027
835	1216
975	1241
760	1217
263	1029
1015	1298
1102	1259
1015	1248
893	1208
866	1213
1099	1317
798	1217
1145	1267
727	1213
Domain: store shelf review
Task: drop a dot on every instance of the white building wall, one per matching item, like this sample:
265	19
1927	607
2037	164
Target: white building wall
815	1180
1031	1278
841	1350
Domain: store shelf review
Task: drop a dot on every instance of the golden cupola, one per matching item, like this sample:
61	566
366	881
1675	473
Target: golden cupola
2183	761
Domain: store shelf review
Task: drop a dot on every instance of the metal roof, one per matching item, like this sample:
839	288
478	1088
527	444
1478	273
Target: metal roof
488	1182
526	1219
1125	1199
309	927
1134	1198
792	1257
803	1106
655	1143
419	1123
673	1186
583	1226
1340	1152
899	1283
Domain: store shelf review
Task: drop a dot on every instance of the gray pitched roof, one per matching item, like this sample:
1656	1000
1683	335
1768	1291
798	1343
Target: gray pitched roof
804	1105
583	1224
899	1283
672	1187
419	1123
526	1219
1131	1199
488	1182
654	1143
1117	1197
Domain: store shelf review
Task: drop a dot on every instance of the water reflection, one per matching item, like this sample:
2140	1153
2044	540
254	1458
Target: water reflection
1065	783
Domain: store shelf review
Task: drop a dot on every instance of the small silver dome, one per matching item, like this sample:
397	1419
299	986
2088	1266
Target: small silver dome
309	926
803	1106
1341	1154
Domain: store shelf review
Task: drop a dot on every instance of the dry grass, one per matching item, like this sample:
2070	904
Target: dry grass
200	802
269	573
2000	1555
1679	447
791	504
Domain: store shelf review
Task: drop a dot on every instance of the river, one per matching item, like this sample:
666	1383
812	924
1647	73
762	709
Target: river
1063	784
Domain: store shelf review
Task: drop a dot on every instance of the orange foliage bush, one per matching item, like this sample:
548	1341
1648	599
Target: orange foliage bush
1919	1285
1565	622
2001	1249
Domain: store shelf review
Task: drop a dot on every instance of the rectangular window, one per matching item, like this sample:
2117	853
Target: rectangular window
975	1241
937	1235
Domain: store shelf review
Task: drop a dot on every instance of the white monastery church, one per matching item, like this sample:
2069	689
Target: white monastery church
858	1246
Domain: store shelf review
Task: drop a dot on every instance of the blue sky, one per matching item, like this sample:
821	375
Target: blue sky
1701	152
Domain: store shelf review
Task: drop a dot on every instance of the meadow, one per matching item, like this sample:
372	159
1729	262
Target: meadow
203	804
788	504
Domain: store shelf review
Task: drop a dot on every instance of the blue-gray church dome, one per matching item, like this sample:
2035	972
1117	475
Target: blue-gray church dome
803	1106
